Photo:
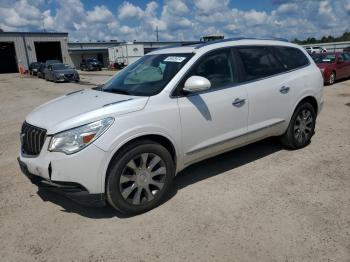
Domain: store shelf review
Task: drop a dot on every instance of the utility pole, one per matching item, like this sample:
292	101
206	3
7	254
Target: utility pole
157	33
43	23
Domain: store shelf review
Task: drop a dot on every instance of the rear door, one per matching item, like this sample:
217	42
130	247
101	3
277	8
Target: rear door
270	81
344	66
215	120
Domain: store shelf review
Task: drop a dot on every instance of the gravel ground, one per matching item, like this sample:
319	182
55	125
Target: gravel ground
257	203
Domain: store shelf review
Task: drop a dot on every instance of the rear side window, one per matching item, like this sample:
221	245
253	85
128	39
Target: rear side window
346	57
291	58
258	62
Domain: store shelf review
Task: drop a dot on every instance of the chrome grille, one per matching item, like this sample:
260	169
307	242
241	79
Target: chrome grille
32	139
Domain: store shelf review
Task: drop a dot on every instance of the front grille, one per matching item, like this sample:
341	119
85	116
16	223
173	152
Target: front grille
32	139
69	76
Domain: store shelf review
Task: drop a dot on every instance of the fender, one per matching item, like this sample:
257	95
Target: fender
117	145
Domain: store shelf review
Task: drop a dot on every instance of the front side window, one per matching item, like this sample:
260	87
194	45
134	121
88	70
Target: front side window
148	75
258	62
217	68
291	58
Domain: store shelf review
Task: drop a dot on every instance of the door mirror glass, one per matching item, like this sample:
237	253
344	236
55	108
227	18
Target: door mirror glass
196	84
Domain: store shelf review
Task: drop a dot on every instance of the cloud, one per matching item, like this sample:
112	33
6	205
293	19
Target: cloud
208	6
176	19
289	8
99	14
128	10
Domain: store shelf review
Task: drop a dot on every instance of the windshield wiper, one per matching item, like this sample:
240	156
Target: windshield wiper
97	88
118	91
114	91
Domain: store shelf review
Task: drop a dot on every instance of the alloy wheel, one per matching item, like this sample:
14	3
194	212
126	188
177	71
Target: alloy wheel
332	79
142	178
303	126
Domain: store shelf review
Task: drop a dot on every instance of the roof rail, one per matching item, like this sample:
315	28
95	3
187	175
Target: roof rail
237	39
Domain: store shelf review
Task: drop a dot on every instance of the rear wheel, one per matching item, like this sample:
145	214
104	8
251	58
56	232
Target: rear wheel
139	177
301	127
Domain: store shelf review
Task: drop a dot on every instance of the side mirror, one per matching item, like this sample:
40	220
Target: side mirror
196	84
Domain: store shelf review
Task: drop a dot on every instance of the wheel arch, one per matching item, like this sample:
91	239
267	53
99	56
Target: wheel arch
158	138
310	99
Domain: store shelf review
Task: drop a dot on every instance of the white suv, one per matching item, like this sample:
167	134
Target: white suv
124	142
315	49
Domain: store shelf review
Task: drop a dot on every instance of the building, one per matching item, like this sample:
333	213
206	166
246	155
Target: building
83	50
25	47
99	50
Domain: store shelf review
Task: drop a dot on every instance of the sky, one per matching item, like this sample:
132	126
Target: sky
93	20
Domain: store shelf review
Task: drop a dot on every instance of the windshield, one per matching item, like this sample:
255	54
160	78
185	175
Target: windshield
148	75
60	67
324	58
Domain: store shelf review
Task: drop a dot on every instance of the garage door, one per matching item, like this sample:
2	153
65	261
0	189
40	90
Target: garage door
48	51
8	62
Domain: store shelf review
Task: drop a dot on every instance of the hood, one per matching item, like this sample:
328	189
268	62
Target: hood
82	107
65	71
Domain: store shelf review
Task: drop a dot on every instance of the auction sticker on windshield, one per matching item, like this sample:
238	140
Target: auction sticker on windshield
176	59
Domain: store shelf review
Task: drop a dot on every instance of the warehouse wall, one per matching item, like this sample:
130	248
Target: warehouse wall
19	47
24	46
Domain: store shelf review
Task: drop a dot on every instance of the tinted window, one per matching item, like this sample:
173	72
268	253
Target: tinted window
217	68
291	58
346	57
258	62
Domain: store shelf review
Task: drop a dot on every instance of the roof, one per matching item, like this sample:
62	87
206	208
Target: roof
222	43
34	33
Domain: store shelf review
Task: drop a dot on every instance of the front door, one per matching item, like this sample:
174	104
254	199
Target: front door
215	120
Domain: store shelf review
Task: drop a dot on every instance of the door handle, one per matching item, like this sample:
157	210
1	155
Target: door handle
284	89
238	102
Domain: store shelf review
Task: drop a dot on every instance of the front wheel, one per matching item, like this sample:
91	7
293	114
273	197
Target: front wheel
301	127
331	79
139	177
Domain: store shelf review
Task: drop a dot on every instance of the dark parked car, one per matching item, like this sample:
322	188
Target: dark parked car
61	73
334	66
41	71
347	49
34	67
43	67
90	64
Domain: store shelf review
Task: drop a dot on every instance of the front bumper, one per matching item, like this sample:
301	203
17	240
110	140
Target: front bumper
72	190
79	175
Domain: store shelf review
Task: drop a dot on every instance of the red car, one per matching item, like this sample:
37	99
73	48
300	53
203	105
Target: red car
334	66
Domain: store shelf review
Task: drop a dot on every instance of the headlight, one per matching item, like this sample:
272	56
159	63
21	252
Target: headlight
74	140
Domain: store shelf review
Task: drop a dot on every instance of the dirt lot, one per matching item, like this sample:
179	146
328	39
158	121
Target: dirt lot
258	203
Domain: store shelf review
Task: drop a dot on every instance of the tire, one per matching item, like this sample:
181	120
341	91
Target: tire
130	187
301	127
331	79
